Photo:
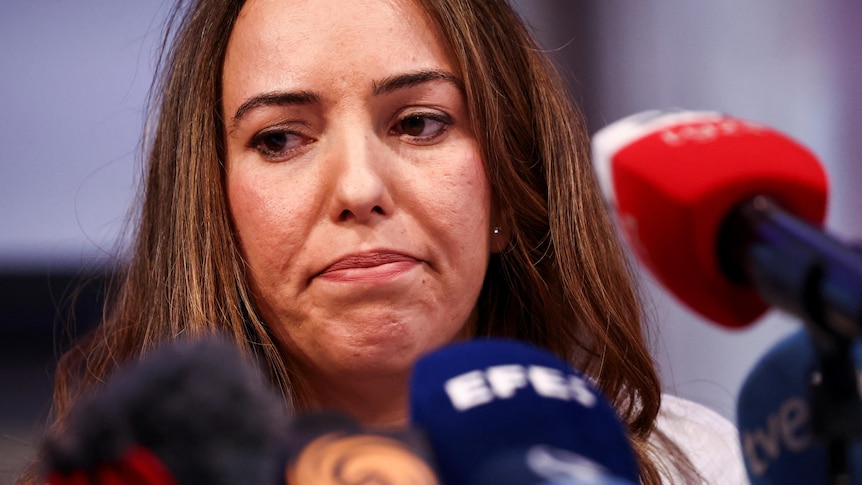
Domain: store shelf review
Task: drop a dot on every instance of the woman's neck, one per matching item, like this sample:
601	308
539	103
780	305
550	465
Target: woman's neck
375	401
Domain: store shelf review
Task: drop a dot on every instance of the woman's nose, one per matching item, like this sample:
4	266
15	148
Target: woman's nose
360	189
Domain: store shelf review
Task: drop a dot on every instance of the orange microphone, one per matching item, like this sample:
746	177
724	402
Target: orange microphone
329	448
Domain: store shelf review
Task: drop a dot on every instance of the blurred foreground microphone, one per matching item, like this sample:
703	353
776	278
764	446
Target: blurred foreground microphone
189	413
702	197
503	412
777	422
329	448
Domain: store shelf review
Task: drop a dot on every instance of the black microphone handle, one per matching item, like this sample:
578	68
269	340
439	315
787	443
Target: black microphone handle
798	268
794	266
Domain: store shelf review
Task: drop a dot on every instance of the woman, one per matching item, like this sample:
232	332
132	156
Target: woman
345	186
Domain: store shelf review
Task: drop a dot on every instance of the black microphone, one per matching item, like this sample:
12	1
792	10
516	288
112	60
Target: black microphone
192	412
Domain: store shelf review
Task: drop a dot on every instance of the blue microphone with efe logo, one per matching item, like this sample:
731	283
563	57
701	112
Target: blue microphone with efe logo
498	411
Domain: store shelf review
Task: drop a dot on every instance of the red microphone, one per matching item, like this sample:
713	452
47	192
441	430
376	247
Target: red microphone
691	191
726	214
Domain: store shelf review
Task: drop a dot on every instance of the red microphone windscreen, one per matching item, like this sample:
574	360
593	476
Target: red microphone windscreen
673	178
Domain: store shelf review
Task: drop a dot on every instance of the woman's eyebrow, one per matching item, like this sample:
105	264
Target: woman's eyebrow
410	79
384	86
276	98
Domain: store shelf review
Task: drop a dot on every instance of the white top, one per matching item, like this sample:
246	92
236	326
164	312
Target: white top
709	440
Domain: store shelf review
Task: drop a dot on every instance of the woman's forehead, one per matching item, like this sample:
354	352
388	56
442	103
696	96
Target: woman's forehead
303	45
301	25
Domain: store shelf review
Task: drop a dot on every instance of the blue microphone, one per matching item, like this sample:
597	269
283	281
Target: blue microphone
483	402
776	419
543	465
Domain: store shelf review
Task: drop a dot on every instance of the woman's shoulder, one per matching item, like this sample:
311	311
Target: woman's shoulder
710	441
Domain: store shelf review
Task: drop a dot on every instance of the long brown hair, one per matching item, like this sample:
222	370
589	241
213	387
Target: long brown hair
563	283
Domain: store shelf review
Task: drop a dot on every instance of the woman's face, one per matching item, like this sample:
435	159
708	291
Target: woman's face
354	181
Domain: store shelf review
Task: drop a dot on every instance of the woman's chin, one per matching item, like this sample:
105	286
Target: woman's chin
379	357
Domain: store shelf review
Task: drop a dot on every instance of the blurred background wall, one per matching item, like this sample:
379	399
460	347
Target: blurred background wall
73	82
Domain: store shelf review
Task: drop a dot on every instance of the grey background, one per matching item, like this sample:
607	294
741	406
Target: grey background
74	76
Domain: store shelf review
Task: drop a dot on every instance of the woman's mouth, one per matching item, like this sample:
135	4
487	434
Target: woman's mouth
369	267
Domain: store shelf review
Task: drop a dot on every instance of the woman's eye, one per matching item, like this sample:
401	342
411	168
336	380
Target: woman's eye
424	127
275	144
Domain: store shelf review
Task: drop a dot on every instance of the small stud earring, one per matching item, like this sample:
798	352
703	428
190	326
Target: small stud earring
496	230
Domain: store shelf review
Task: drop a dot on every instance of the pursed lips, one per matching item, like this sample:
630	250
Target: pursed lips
374	265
